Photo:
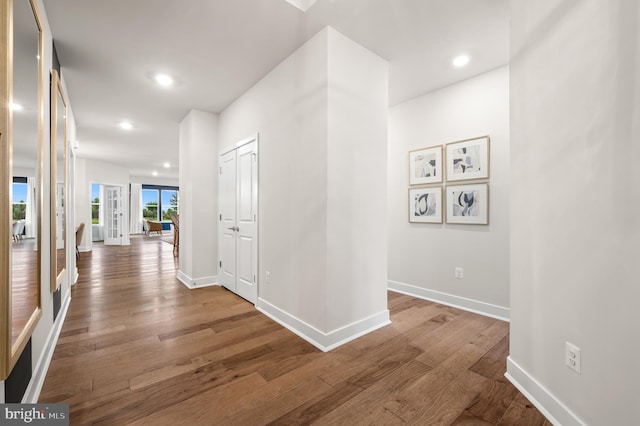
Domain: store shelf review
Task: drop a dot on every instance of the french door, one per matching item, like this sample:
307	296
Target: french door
238	220
113	215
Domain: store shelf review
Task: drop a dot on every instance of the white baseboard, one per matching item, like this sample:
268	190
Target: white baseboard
32	393
324	341
475	306
197	282
555	411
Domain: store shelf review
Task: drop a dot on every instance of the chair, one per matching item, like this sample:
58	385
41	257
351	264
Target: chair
18	229
176	233
153	226
79	238
14	230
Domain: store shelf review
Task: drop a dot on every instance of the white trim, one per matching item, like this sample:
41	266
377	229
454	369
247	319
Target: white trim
475	306
324	341
76	276
248	139
32	393
554	410
192	283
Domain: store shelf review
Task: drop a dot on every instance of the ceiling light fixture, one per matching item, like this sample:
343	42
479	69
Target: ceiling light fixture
154	173
126	125
15	107
461	60
166	165
163	80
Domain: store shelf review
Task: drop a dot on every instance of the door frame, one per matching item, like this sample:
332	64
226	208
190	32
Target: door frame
119	214
253	138
125	241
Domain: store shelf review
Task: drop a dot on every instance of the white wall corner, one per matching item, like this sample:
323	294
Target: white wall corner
193	283
32	392
324	341
475	306
303	5
554	410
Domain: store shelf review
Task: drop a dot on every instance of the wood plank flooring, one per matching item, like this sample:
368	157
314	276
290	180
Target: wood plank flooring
24	284
140	348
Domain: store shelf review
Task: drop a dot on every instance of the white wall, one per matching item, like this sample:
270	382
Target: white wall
288	109
40	334
575	132
94	171
422	257
321	117
155	180
356	178
44	334
198	199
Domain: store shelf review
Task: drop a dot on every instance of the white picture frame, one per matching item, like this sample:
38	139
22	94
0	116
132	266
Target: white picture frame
467	159
425	165
468	204
425	205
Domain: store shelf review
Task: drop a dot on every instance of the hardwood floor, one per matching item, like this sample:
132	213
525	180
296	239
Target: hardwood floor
140	348
24	284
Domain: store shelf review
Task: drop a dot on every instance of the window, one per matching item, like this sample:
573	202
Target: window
150	204
19	202
169	203
158	202
95	204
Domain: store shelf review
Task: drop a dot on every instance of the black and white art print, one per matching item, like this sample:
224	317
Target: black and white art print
468	204
468	159
425	205
425	166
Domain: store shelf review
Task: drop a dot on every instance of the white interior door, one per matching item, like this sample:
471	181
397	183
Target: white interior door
246	223
239	220
227	233
113	215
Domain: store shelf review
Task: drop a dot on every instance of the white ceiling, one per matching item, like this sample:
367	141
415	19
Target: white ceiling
217	49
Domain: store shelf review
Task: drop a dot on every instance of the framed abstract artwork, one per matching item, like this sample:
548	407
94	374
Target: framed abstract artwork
468	204
467	159
425	166
425	205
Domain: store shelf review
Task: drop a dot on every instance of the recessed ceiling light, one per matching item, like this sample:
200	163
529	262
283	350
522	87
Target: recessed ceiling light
15	107
461	61
166	165
163	80
126	125
154	173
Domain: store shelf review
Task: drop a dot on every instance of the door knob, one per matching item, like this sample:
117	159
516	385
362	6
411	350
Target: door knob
234	228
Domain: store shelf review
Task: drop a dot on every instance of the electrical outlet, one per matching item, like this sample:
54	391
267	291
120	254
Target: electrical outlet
459	272
267	277
572	357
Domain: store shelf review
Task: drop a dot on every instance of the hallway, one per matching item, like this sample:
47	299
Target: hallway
139	347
